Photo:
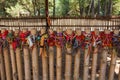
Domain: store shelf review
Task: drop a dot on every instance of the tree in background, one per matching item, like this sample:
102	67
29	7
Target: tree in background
13	8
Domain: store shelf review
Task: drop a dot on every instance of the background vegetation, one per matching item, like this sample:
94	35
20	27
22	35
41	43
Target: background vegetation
14	8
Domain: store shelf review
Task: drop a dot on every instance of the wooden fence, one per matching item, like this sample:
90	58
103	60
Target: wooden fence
27	64
101	22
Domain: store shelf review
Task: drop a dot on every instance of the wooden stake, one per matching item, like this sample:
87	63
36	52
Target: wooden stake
103	65
77	65
2	66
44	55
44	66
68	59
13	61
27	63
51	62
94	64
86	65
19	64
59	64
68	66
112	65
35	65
7	64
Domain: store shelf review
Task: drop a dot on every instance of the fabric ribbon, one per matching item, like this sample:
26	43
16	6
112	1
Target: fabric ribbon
69	40
51	39
107	40
96	40
116	42
88	42
43	45
79	41
59	40
23	36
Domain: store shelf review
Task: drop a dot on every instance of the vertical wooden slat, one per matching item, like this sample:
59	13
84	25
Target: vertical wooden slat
27	63
77	65
94	64
7	64
35	65
112	65
103	64
51	63
68	65
2	66
86	64
19	64
59	64
44	67
13	61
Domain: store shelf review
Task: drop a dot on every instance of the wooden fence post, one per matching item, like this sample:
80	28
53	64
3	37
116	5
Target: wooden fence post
43	52
68	66
68	57
114	54
51	44
51	62
19	64
59	42
27	63
13	61
7	63
35	65
112	64
44	67
103	64
77	65
94	63
88	37
2	66
59	64
86	64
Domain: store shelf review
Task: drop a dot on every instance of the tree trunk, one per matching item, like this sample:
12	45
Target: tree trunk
103	64
68	66
27	63
98	7
13	61
86	65
112	65
54	8
59	64
51	63
2	65
19	64
35	65
77	65
92	9
94	64
7	64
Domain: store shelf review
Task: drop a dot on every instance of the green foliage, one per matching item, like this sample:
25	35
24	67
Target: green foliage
13	8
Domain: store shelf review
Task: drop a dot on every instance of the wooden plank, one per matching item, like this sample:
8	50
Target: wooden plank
7	64
35	65
27	65
19	64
